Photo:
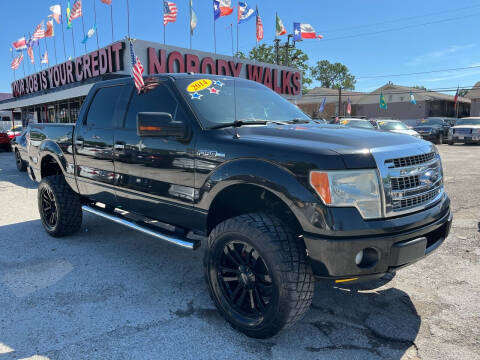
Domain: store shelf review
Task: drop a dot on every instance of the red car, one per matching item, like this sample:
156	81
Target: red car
5	141
16	131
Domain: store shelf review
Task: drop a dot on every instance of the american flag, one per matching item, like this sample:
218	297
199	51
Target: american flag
137	69
169	12
76	11
16	62
30	54
39	32
259	27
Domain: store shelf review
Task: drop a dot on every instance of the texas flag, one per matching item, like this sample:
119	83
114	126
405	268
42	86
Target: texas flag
20	44
304	31
222	8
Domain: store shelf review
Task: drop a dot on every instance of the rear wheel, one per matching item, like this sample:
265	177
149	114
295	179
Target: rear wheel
19	162
60	208
258	274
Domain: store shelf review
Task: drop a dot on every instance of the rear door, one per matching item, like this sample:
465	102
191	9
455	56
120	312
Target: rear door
94	144
155	175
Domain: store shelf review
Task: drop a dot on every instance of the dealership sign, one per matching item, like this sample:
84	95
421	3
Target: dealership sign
159	59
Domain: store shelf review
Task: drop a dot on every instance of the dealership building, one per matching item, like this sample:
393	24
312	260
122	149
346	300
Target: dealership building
55	94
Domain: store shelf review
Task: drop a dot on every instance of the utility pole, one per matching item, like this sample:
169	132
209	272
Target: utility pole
339	102
277	49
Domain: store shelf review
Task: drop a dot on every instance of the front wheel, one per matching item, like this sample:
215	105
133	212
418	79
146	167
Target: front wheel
59	207
258	274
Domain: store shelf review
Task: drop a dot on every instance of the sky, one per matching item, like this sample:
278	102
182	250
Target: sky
372	38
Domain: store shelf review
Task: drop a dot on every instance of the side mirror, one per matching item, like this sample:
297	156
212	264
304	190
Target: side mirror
159	124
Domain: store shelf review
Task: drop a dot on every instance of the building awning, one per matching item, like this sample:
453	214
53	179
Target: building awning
48	97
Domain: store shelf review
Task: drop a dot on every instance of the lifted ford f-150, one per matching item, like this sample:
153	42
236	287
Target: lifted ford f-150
280	200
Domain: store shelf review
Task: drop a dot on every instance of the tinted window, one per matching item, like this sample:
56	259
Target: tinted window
157	99
101	112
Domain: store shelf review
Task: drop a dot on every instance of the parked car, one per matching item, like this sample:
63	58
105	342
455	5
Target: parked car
14	132
20	149
396	126
357	123
434	129
281	200
5	141
466	130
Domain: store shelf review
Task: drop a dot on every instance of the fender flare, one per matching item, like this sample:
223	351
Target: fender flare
51	148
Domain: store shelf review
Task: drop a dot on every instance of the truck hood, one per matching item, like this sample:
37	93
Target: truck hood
407	132
315	137
467	127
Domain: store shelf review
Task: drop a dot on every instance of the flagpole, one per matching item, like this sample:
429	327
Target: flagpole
73	43
214	32
190	7
164	27
95	20
128	19
34	67
39	56
11	52
238	13
111	20
63	37
83	27
231	36
23	65
46	49
55	46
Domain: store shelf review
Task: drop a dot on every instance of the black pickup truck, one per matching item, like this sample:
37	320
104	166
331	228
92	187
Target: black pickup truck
279	200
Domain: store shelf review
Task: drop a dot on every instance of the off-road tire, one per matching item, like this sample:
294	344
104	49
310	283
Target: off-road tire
21	166
68	206
284	255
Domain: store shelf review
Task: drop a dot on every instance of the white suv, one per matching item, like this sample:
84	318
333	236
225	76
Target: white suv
466	130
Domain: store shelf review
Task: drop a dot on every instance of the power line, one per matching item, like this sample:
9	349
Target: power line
399	28
418	73
401	19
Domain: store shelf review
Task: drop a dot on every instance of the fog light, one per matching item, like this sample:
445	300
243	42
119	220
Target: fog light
359	257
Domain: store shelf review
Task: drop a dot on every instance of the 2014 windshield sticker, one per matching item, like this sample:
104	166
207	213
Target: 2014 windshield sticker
203	84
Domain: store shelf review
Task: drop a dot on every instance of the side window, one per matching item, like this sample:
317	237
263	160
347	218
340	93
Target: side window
158	99
102	109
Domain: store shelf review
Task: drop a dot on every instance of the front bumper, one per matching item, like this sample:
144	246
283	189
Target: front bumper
334	257
465	139
429	136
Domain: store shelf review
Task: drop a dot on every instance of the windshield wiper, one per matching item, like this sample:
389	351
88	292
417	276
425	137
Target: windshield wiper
238	123
295	121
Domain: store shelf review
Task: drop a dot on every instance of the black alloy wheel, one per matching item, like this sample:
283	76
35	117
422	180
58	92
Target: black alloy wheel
244	280
19	162
48	207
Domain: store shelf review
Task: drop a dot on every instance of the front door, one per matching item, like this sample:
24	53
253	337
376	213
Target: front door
94	146
154	175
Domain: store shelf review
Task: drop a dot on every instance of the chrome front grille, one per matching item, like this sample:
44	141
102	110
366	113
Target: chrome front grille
411	182
410	160
407	182
462	131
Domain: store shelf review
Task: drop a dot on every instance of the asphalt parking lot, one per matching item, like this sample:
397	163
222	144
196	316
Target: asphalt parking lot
111	293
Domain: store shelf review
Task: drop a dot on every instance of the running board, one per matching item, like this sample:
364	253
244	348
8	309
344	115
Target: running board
179	241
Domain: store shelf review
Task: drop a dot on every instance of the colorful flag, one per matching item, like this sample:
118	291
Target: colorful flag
245	12
322	105
455	99
49	32
20	44
383	103
76	11
108	2
222	8
279	27
169	12
44	58
349	107
259	26
30	54
16	62
137	69
56	13
412	98
39	32
90	33
304	31
69	23
193	18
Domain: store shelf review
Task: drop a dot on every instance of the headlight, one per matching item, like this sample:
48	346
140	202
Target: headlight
349	188
476	131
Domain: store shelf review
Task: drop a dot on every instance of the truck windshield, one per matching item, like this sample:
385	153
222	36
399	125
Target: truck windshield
392	125
218	101
475	121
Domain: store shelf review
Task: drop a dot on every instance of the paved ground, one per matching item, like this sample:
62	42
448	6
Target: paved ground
111	293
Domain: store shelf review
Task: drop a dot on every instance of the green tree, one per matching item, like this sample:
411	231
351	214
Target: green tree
333	75
296	58
419	87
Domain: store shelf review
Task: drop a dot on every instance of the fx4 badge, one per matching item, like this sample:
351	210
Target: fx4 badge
210	154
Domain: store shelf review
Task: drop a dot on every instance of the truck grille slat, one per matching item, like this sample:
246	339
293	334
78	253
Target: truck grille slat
411	160
403	183
415	201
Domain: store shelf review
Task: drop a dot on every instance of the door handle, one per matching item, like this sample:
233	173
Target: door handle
79	141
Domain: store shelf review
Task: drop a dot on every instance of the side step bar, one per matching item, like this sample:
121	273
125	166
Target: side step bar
179	241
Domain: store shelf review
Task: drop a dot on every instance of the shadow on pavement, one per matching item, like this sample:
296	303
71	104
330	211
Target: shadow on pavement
108	292
10	176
